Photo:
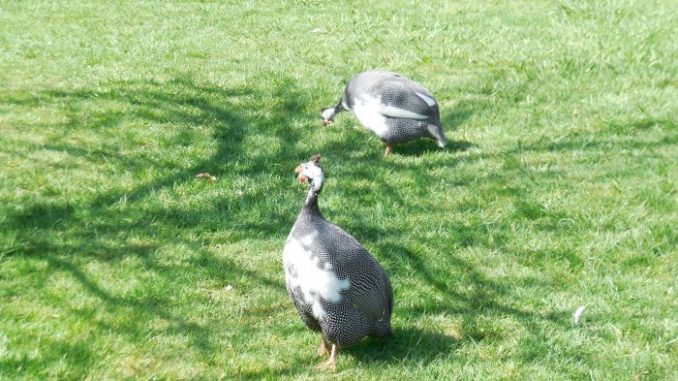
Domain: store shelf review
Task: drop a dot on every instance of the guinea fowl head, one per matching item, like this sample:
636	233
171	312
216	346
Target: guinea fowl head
310	171
329	113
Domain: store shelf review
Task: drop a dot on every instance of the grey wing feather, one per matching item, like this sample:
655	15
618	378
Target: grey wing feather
405	95
370	290
371	296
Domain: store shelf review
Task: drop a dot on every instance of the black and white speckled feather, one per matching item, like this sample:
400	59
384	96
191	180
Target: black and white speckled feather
395	108
335	284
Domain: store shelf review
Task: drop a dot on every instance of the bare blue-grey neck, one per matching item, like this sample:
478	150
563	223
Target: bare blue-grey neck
314	191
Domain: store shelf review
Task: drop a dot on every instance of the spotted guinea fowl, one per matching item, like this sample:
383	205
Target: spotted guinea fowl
336	285
395	108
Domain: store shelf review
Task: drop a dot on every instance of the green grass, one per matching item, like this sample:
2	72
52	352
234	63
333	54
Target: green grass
559	188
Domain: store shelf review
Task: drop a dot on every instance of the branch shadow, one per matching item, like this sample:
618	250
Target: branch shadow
52	229
181	106
451	285
408	344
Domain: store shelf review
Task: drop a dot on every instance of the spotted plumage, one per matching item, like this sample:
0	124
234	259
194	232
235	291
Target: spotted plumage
337	287
393	107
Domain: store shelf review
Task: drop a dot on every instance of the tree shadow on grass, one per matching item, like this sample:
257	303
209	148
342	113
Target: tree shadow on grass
68	233
180	102
425	146
147	306
53	230
407	345
450	284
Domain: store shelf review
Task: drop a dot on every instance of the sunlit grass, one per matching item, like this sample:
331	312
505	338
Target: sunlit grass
558	188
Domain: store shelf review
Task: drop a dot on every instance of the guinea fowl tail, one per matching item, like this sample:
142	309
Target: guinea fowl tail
382	327
437	133
382	330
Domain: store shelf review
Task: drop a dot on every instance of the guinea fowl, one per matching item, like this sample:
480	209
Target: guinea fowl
336	285
395	108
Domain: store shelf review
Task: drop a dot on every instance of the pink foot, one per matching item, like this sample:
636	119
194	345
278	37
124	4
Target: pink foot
331	363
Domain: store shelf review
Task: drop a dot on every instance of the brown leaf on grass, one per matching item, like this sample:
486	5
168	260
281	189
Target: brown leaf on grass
205	175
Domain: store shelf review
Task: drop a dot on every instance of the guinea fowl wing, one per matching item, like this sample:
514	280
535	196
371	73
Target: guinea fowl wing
400	99
371	295
369	290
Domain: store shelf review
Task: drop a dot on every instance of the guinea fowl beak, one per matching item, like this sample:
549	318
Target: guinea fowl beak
326	122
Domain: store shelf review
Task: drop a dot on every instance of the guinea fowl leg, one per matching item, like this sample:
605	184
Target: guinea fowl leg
331	363
389	148
323	347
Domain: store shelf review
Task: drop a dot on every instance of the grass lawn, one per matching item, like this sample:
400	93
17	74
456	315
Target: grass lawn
558	189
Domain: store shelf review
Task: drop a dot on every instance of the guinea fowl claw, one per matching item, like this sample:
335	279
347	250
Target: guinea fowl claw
322	350
331	363
389	149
